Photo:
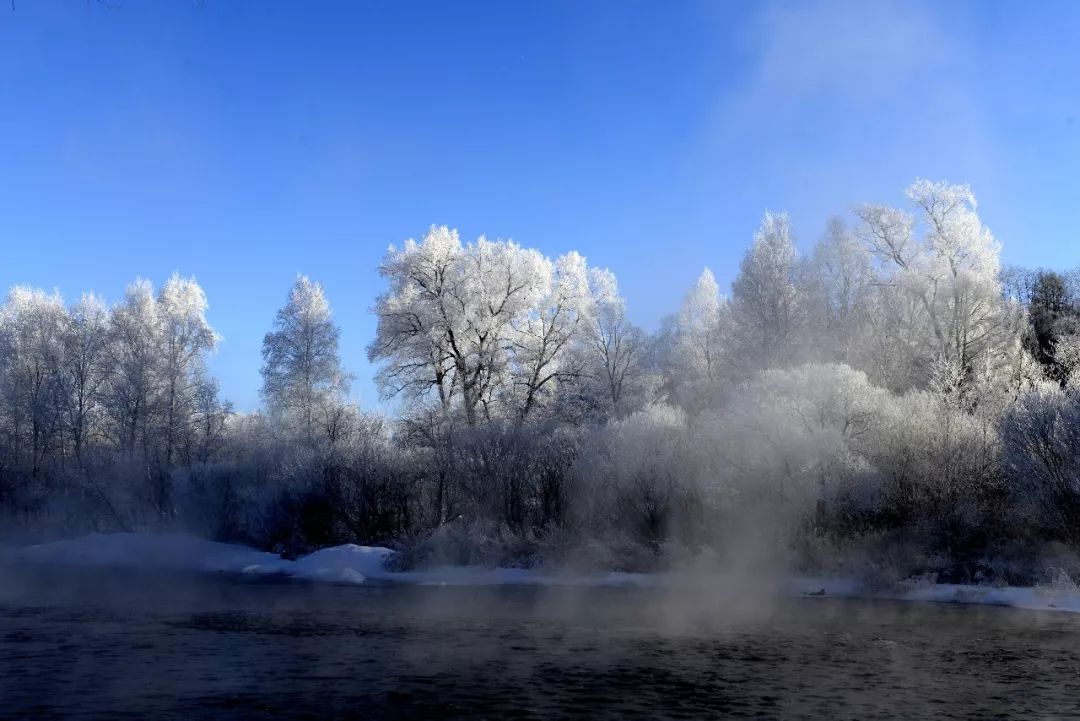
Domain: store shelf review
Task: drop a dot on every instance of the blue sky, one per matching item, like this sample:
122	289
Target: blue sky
244	142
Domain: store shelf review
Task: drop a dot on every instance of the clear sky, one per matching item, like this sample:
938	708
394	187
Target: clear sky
244	142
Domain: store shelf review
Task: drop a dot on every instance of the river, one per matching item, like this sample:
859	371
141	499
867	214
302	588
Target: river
84	643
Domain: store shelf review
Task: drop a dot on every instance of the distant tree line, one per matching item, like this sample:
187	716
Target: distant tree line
892	401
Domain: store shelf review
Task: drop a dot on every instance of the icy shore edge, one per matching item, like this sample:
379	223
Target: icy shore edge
352	564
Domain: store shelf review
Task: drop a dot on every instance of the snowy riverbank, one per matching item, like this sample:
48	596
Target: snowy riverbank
1035	598
351	564
340	564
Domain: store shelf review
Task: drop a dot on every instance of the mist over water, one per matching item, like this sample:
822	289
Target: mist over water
72	645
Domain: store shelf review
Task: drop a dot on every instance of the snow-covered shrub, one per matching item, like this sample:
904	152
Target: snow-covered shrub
930	452
285	494
639	478
793	438
1041	438
486	494
514	475
481	542
941	484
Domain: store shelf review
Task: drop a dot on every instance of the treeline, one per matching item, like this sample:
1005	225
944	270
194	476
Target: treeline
893	401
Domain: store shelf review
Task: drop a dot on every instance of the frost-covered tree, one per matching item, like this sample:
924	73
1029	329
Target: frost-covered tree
700	333
788	436
618	359
209	416
498	285
85	369
32	324
85	387
134	349
303	380
488	326
941	268
417	315
185	337
544	339
841	295
1050	307
700	323
1052	301
766	308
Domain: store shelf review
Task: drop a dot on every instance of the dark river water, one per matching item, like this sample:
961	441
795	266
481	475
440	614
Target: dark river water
138	645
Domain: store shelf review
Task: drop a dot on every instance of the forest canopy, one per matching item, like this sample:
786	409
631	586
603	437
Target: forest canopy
891	401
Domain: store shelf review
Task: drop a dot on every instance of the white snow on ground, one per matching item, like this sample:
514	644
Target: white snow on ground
175	551
358	564
340	564
481	576
1038	598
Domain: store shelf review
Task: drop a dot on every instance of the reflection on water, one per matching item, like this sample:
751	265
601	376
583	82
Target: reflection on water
95	644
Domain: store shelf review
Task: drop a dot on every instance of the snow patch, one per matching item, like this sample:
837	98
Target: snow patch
172	551
348	564
342	564
352	564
